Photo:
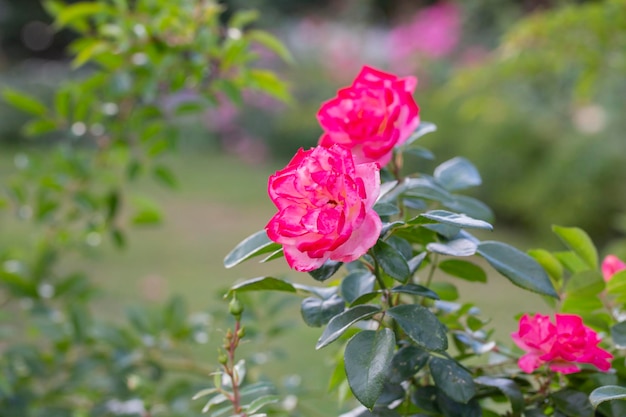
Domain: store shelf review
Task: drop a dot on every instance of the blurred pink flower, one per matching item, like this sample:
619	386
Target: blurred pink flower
324	203
562	345
610	266
374	114
434	32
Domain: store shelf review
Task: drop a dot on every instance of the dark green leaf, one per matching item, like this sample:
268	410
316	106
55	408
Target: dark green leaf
356	284
415	289
262	284
607	393
391	261
519	268
572	403
578	241
326	271
254	245
424	187
509	388
367	358
455	247
420	152
340	323
316	312
452	379
406	362
81	10
463	269
456	174
24	102
421	325
618	333
455	219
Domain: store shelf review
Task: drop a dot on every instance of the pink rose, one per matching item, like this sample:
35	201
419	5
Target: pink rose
610	266
374	114
324	203
561	345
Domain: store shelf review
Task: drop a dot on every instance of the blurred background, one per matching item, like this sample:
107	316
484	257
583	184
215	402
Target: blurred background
532	92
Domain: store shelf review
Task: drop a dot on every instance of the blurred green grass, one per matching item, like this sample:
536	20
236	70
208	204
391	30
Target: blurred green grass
219	202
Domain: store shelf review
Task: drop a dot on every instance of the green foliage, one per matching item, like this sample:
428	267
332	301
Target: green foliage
139	66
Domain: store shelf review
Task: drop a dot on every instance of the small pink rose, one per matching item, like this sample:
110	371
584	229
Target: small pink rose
610	266
374	114
562	346
324	203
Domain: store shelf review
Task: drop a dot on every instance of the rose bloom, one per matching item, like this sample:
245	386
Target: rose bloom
324	203
610	266
374	114
561	345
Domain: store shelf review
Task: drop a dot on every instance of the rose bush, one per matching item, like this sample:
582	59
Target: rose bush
325	208
372	116
391	252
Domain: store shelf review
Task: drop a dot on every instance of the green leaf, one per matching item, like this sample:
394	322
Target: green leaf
316	312
269	83
519	268
262	284
147	212
24	102
71	13
571	261
616	287
509	388
254	245
550	263
38	127
357	283
261	402
367	358
457	174
326	271
423	129
470	206
391	261
165	176
455	219
578	241
88	50
463	269
341	322
572	403
452	379
421	325
415	289
270	42
407	362
454	247
445	290
618	334
607	393
243	18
